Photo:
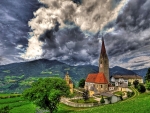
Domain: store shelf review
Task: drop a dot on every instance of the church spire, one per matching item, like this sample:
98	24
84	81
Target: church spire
104	61
103	50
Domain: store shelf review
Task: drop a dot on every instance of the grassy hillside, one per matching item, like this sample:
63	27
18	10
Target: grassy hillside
18	76
138	104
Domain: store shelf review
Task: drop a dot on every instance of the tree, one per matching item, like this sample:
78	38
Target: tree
135	83
102	101
46	93
85	95
147	77
82	83
148	85
141	88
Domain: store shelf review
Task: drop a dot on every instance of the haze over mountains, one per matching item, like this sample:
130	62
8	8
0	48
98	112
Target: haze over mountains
17	76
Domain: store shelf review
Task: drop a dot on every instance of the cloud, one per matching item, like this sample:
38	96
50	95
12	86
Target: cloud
14	16
63	14
67	30
130	40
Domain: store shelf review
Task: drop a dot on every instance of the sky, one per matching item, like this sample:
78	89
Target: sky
71	30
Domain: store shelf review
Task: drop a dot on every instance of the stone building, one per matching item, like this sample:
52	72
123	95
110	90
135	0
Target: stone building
98	82
69	82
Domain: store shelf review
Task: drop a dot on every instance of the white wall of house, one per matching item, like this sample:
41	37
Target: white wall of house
89	85
118	81
111	88
112	79
121	80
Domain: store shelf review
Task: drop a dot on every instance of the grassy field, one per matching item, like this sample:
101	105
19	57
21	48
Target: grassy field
140	103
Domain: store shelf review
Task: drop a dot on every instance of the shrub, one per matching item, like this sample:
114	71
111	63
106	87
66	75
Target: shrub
85	95
135	83
121	98
141	88
130	94
102	101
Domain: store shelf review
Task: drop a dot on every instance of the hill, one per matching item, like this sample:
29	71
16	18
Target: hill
141	72
18	76
120	71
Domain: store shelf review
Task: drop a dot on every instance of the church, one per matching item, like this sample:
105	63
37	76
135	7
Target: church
97	83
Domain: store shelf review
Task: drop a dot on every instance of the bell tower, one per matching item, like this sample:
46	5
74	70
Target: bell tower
104	61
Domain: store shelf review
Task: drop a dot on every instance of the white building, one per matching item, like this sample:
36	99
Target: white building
117	80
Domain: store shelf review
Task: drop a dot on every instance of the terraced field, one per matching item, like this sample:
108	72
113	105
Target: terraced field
139	103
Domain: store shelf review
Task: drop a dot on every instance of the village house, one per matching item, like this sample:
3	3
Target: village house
121	79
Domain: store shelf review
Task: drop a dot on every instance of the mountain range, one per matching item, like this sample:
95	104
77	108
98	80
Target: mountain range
18	76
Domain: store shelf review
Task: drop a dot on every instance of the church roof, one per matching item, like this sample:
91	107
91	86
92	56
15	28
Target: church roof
103	49
97	78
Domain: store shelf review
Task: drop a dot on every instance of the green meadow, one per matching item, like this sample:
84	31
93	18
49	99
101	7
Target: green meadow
140	103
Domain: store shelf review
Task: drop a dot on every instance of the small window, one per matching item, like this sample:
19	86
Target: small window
101	86
101	62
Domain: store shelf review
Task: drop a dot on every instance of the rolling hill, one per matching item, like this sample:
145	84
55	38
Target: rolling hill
18	76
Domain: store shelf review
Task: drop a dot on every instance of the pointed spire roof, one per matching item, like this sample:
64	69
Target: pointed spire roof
67	73
103	50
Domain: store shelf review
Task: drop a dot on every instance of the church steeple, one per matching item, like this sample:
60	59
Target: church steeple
104	61
103	50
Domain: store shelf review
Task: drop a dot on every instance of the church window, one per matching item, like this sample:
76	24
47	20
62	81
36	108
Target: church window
101	62
101	86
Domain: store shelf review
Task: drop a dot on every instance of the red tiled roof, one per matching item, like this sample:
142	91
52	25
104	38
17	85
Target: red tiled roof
97	78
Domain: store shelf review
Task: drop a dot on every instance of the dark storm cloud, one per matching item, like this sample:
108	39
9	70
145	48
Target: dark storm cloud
14	17
131	37
132	28
136	16
72	45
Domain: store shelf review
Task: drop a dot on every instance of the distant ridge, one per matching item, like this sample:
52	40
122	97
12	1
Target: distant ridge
18	76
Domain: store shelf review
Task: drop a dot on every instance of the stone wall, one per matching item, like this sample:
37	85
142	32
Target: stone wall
66	101
73	104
